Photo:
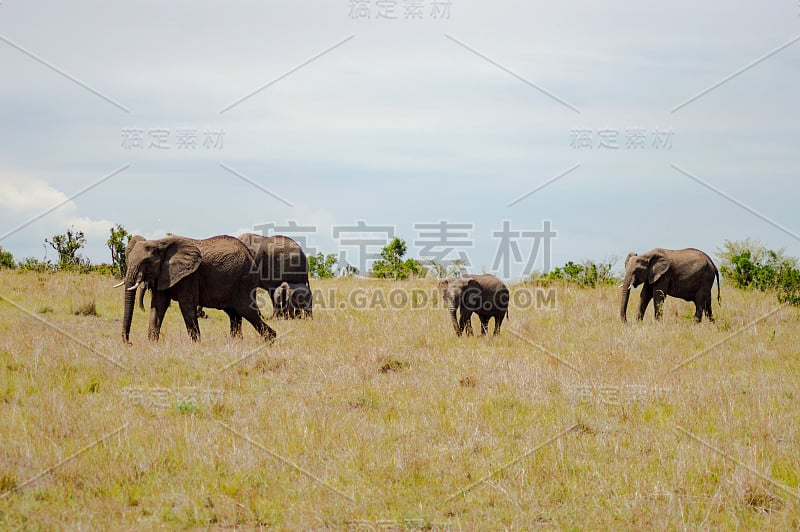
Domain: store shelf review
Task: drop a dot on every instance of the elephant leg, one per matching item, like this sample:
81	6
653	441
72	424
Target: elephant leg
236	323
658	303
699	307
159	303
644	300
708	308
498	321
254	317
484	325
189	311
466	322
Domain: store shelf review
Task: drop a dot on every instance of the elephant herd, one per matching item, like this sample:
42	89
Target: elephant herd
224	273
220	272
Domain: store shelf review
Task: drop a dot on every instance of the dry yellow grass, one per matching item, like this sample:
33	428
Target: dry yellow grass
383	418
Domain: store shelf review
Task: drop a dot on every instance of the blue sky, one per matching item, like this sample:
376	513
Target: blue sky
402	122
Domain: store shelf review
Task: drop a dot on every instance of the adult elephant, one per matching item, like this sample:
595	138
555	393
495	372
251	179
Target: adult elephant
685	273
484	295
217	272
278	259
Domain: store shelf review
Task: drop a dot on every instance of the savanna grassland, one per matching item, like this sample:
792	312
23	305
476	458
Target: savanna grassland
376	418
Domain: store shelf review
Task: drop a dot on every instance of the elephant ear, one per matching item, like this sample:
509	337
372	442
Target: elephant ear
659	264
131	244
442	287
471	295
181	258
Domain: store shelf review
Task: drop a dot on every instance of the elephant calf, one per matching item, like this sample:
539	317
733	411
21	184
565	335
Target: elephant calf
484	295
292	300
685	273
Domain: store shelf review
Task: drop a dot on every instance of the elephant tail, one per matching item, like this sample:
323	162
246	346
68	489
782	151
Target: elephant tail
719	300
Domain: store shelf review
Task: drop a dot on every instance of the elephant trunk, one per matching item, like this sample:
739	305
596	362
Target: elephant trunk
626	292
454	319
129	299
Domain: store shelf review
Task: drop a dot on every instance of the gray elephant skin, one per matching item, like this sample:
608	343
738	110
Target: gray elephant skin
683	273
292	300
143	286
484	295
217	272
278	259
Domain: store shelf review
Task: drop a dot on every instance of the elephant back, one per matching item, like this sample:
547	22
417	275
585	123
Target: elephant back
278	259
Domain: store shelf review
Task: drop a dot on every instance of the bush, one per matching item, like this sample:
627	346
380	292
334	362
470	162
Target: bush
321	266
32	264
589	274
102	269
6	259
86	309
392	265
749	265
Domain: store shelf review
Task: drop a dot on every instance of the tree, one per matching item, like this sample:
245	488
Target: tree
392	264
321	266
6	259
67	246
116	244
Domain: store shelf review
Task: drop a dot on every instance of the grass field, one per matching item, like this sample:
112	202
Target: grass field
378	418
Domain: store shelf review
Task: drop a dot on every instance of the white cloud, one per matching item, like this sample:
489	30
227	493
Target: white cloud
26	196
22	199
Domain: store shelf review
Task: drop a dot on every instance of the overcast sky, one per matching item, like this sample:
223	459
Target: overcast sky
670	124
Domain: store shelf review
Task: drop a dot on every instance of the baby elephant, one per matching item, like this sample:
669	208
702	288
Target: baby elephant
292	300
485	295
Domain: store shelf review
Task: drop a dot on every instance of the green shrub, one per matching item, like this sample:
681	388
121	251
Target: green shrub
589	274
32	264
749	265
6	259
392	265
321	266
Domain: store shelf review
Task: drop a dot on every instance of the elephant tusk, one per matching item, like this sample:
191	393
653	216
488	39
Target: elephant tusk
118	284
134	287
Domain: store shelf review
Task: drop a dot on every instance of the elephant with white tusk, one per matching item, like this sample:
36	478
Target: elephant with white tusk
684	273
217	272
